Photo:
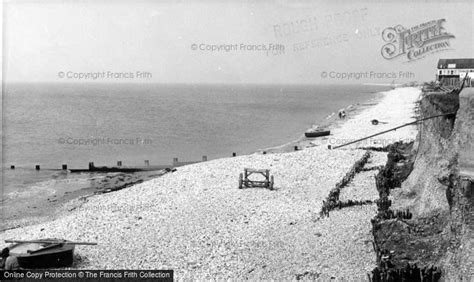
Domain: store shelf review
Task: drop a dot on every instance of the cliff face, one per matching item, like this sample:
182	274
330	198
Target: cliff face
459	260
422	192
441	183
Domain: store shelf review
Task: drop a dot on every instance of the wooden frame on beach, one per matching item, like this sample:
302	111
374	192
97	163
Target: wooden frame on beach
244	181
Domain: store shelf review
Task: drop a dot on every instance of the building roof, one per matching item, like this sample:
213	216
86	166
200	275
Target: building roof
456	64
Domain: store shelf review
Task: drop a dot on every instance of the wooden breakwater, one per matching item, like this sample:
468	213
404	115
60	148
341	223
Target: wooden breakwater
121	168
130	169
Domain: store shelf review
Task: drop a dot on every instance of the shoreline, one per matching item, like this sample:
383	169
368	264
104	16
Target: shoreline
47	207
330	122
197	222
50	207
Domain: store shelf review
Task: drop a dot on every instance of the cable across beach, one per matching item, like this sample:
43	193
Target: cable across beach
197	222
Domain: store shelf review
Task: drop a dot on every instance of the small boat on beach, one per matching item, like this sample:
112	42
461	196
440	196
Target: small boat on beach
316	132
44	253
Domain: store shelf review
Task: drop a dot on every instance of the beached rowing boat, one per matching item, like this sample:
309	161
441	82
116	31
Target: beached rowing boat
44	253
317	132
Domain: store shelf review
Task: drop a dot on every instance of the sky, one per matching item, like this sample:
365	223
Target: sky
229	42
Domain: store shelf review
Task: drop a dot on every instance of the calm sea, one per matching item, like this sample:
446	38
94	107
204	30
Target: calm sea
74	124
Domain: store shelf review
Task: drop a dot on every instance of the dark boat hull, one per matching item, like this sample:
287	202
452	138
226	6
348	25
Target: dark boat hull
51	255
62	258
317	133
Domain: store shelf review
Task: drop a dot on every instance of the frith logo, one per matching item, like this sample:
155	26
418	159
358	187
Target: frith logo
415	42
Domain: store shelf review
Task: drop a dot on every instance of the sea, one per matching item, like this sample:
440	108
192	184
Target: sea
49	125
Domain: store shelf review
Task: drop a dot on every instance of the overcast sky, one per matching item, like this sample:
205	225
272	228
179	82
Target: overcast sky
60	40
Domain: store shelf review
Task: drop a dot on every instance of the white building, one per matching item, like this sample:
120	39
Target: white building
451	72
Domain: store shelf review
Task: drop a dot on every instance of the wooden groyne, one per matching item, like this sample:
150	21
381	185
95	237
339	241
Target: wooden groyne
121	168
129	169
177	163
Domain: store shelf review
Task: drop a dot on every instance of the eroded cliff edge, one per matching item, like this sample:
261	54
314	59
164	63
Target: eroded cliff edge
425	216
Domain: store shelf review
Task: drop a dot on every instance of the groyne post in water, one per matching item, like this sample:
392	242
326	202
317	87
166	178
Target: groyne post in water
175	161
234	154
119	163
147	163
204	158
12	167
37	167
64	166
91	165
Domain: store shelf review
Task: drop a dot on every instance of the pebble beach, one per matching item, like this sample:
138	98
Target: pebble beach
197	222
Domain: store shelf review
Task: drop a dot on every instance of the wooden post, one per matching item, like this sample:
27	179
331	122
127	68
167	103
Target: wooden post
12	167
91	165
329	147
466	185
64	166
204	158
147	163
37	167
264	152
296	148
234	154
175	161
119	163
